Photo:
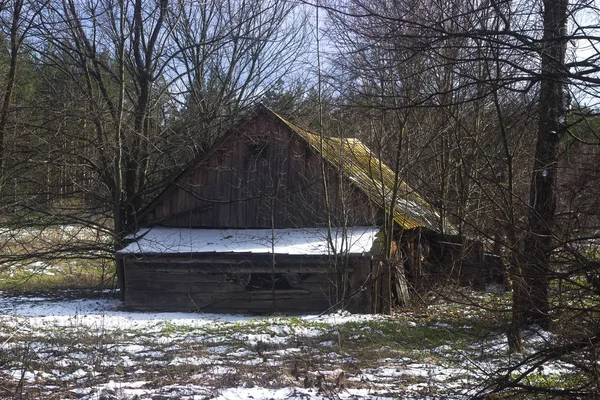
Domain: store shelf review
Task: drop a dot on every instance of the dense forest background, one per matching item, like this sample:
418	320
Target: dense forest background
488	108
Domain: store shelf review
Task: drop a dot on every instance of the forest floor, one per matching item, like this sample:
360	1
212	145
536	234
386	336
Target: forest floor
76	344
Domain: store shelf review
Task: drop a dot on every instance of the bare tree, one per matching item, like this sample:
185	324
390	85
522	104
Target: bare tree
120	77
227	55
493	115
554	103
16	19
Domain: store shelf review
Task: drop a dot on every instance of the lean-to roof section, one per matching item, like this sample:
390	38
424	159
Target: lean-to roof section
356	241
357	163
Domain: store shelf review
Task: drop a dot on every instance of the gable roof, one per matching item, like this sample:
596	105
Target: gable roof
357	163
369	174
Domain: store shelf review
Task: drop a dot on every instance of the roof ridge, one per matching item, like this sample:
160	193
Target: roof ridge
289	123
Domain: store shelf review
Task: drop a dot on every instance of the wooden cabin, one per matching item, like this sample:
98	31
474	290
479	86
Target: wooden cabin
272	219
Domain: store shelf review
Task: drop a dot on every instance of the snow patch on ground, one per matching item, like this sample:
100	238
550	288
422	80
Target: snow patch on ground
92	349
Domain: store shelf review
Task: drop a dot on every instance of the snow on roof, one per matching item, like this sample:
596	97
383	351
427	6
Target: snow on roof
302	241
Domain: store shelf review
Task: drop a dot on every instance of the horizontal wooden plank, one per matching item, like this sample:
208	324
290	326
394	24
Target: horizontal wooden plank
149	262
159	276
215	289
319	278
169	277
315	287
164	297
202	268
184	287
288	305
241	258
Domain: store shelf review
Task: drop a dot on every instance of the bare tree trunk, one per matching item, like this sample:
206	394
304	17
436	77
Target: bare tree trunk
394	262
15	44
553	107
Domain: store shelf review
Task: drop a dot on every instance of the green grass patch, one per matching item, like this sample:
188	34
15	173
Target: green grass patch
58	274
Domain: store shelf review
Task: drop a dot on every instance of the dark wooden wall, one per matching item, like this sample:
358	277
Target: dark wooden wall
215	283
432	258
262	177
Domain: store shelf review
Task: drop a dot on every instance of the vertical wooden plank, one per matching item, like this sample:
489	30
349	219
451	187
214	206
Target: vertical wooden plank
381	294
121	263
386	293
359	285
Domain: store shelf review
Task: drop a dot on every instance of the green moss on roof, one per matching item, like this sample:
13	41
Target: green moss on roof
373	177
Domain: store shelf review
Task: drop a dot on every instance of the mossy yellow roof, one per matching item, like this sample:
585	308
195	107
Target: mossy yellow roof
369	174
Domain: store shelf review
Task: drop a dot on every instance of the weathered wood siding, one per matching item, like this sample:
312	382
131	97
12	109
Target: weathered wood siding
211	283
431	258
263	177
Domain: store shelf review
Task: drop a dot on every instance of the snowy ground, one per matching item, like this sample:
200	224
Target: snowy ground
69	346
